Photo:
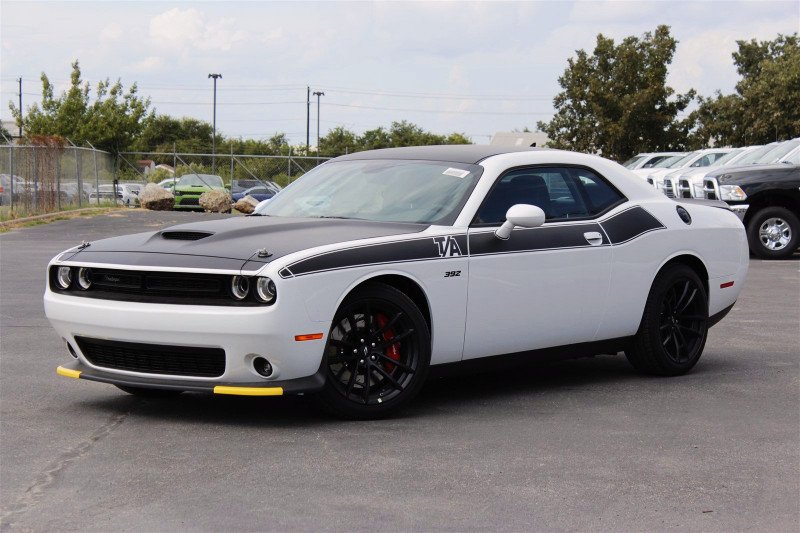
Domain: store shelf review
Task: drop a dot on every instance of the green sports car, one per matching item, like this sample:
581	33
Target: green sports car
190	186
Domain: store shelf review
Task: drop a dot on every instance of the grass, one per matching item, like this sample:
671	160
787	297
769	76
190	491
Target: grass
8	215
8	225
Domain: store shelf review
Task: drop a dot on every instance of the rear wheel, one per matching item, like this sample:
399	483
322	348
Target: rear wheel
377	355
674	325
773	233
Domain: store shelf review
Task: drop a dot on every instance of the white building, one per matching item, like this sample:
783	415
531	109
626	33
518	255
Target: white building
519	138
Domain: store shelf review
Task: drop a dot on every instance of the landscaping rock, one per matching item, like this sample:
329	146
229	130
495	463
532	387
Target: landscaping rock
156	198
246	205
215	201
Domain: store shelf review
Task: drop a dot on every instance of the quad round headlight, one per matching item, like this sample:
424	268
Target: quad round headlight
64	277
84	278
265	290
240	286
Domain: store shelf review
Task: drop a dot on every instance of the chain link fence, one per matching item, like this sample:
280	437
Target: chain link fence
37	179
237	171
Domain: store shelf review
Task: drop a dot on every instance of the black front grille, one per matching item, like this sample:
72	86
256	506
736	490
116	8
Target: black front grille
191	200
156	287
185	235
195	284
153	358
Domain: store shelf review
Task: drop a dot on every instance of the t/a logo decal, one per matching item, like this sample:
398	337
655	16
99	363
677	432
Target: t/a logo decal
448	246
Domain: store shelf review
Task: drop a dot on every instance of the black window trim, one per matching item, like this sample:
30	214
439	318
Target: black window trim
623	199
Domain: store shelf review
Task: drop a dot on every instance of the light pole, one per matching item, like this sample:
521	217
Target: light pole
308	114
318	94
214	125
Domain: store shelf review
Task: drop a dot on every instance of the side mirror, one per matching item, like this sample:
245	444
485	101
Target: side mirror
523	215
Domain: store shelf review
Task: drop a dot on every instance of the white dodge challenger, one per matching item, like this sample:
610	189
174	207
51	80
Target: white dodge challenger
356	279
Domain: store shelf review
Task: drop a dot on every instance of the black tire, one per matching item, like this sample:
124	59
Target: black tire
144	392
377	355
773	233
674	325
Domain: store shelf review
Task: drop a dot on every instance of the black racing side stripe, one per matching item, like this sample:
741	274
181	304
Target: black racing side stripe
629	224
391	252
535	239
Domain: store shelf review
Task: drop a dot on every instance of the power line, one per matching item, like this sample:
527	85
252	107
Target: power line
409	110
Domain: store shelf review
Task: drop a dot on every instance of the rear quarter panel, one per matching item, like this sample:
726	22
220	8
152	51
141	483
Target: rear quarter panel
716	237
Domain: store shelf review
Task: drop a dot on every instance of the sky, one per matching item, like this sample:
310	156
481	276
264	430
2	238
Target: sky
469	67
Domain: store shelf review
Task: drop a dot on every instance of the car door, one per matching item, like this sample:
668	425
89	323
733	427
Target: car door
544	286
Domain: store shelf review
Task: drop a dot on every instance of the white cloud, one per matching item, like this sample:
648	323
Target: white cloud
148	64
111	32
183	29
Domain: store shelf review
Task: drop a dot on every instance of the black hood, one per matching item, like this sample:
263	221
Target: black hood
751	172
231	243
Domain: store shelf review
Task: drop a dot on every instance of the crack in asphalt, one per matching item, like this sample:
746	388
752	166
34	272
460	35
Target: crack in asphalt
49	475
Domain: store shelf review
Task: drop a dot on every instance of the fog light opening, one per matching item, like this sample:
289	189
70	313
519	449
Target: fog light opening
72	351
262	367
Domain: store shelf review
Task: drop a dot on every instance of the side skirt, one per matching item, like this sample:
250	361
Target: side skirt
544	355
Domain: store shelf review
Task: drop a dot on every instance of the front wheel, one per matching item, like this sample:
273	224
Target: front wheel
377	355
674	325
773	233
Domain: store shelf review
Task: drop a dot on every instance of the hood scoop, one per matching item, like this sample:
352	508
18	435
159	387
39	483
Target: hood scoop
185	235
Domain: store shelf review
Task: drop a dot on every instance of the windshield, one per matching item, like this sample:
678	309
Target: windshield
777	152
631	163
200	180
424	192
730	155
793	158
677	161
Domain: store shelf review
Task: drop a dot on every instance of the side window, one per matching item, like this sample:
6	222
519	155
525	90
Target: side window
599	194
562	193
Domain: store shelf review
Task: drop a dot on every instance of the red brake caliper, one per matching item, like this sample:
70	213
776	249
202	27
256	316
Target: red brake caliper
393	351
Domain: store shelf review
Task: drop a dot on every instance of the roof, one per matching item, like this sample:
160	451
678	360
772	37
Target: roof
460	153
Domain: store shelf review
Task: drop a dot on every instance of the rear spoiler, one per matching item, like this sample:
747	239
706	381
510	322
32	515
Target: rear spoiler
702	201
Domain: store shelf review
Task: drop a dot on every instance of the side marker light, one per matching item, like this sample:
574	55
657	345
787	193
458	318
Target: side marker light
308	337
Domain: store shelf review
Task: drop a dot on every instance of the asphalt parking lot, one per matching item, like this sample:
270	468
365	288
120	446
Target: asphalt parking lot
579	445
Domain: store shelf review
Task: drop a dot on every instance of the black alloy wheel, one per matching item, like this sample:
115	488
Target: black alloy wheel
377	354
674	325
682	320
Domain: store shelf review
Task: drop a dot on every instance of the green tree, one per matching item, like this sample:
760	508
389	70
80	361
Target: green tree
110	122
162	133
375	139
766	104
338	141
616	100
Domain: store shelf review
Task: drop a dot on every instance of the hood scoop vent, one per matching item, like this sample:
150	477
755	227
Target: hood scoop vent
185	235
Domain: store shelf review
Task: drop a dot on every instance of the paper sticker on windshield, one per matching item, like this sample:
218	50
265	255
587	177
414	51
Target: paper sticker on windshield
457	172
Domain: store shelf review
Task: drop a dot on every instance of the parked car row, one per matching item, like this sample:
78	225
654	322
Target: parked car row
126	193
761	184
189	187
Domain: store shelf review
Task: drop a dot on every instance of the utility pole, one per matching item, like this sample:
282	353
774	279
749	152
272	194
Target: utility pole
318	94
214	125
20	106
308	115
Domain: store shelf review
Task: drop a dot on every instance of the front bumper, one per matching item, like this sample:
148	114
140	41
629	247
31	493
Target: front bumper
78	370
242	333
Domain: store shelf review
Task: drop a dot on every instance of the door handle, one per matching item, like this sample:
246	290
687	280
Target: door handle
593	237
